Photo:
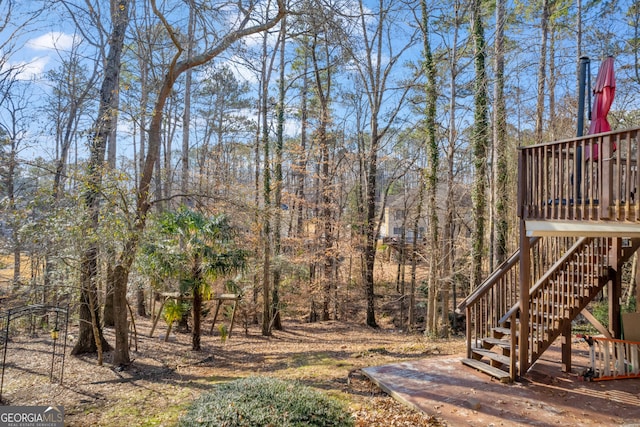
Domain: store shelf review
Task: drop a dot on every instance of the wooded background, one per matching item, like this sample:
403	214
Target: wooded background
279	132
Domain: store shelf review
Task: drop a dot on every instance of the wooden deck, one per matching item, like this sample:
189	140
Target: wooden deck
562	181
441	387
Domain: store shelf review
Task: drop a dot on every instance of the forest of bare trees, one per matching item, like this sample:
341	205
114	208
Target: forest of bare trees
337	139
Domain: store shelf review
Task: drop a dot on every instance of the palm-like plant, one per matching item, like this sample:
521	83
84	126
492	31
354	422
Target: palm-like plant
198	249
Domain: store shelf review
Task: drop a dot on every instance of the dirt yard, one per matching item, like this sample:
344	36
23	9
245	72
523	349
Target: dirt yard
166	376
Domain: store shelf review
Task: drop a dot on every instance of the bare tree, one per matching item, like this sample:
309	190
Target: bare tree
542	69
247	24
323	67
90	337
432	171
499	141
377	30
15	108
480	144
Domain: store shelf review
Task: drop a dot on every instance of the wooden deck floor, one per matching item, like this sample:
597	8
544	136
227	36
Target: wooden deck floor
461	396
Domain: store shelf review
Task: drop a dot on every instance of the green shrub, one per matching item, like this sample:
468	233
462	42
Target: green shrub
601	312
261	402
630	306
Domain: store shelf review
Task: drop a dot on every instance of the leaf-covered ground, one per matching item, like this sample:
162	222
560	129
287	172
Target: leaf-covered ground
165	377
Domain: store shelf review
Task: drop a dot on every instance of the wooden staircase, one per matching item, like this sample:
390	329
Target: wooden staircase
566	273
579	221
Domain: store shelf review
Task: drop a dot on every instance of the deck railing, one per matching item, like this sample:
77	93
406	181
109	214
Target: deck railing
590	178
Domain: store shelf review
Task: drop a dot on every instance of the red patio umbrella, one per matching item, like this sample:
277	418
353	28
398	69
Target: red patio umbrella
603	94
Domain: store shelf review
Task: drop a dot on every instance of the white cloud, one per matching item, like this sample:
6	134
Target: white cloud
28	70
52	40
242	72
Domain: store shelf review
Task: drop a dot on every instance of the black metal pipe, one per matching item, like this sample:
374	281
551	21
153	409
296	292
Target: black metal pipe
582	84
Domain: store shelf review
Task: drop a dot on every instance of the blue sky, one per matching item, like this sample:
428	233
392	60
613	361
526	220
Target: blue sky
40	48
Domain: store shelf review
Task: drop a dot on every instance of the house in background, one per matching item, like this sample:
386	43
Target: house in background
399	215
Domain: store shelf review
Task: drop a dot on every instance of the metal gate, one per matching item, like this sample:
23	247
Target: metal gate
57	321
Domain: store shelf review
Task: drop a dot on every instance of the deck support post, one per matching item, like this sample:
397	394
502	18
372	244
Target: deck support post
525	279
566	347
615	288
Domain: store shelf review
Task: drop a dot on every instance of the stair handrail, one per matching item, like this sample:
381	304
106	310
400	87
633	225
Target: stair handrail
493	278
578	245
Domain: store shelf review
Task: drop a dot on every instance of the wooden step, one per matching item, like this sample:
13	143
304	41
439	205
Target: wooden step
501	331
488	369
504	344
481	352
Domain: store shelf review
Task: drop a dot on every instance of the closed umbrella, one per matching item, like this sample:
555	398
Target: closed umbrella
603	93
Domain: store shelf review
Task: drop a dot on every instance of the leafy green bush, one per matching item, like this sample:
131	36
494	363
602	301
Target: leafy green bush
630	306
601	312
601	309
261	401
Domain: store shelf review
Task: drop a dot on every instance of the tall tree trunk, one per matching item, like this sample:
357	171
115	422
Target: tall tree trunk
327	197
108	320
275	298
196	313
402	262
552	83
176	68
266	198
371	229
9	182
433	159
374	73
141	309
144	100
90	337
579	42
499	143
448	227
258	219
414	251
301	165
120	307
480	143
542	68
142	141
186	115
